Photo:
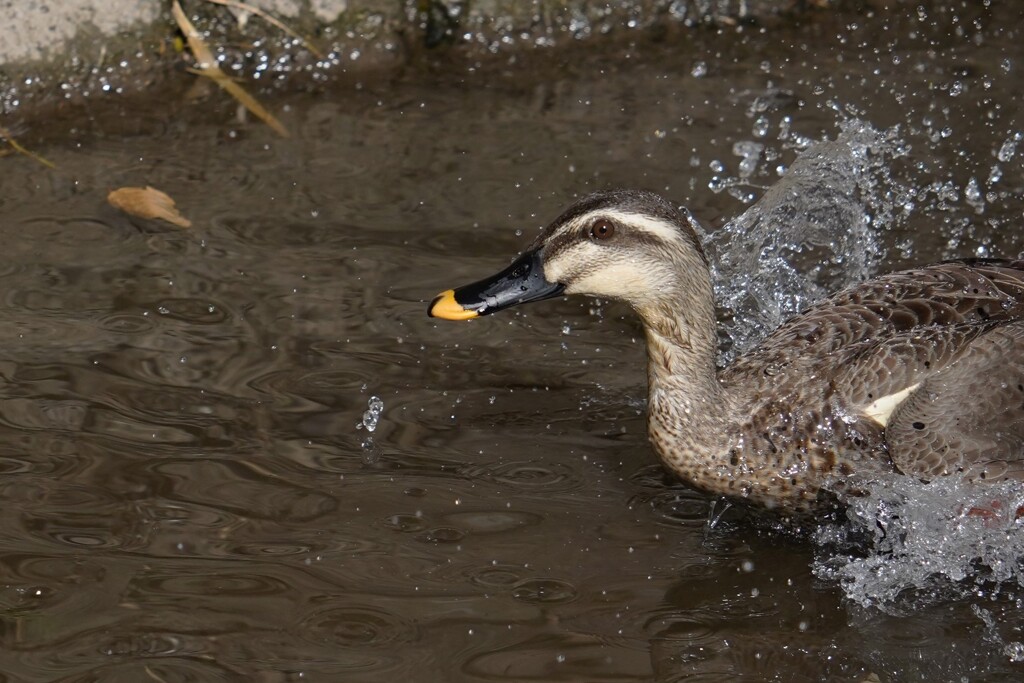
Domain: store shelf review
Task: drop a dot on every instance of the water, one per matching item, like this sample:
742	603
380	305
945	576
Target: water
817	224
187	496
926	541
371	416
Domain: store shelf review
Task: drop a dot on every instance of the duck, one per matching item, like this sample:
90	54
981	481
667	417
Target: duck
918	372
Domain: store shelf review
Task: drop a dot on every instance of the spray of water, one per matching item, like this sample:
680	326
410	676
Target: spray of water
813	231
904	542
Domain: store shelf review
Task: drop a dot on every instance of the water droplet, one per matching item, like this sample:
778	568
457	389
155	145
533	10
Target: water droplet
374	409
749	152
1009	147
972	194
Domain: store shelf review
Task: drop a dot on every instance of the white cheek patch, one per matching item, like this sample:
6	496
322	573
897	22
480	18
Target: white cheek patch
561	268
588	268
615	280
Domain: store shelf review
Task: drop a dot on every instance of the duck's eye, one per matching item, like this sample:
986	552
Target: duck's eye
602	229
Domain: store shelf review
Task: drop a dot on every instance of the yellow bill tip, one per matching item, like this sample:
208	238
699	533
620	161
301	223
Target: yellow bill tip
445	306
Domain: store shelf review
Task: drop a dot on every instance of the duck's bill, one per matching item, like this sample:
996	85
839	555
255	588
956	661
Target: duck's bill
521	282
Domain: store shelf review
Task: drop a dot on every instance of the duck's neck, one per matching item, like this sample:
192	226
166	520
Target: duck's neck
681	356
690	413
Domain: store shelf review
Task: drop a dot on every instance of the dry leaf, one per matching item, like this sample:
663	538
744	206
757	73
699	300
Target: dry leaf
147	202
208	67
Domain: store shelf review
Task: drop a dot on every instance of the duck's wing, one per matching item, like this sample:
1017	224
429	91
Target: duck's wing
930	360
838	328
969	416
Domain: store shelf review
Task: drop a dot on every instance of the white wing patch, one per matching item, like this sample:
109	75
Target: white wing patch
882	409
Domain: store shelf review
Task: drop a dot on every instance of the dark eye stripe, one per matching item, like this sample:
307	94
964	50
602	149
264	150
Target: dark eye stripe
625	235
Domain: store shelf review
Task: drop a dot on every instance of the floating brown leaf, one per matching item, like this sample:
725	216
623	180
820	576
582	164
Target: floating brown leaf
208	67
147	202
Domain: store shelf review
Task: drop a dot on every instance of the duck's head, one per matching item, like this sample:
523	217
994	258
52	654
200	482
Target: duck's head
622	244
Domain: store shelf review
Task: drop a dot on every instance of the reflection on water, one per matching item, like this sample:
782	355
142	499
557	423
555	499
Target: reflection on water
187	494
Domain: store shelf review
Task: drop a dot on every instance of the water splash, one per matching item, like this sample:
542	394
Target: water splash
749	153
371	416
1009	147
904	543
813	231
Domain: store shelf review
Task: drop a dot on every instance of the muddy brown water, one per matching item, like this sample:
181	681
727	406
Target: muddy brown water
186	494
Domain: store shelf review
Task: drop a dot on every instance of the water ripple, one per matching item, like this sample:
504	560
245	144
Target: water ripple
543	591
357	626
226	485
220	583
186	495
526	475
560	657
